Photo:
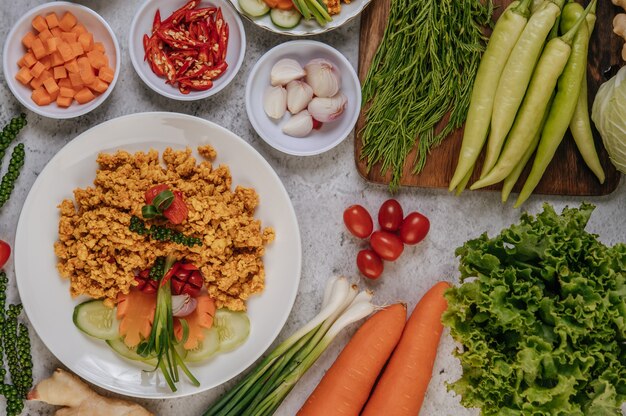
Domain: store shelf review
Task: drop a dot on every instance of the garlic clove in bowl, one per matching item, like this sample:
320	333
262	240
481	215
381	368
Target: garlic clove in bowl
323	77
299	125
286	70
299	95
275	102
327	109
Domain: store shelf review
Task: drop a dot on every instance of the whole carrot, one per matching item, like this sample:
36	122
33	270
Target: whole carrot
516	76
345	387
401	389
503	38
565	101
580	126
528	120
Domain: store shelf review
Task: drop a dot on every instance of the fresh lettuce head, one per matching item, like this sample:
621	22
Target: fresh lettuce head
541	316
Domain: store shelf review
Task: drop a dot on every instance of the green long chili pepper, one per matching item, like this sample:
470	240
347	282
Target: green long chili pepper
505	34
516	76
562	109
9	132
423	68
527	123
8	180
580	126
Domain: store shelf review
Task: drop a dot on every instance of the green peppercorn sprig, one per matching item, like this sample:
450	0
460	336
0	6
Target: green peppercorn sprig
9	132
9	178
158	268
15	346
161	233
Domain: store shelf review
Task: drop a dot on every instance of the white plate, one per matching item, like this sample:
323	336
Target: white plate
331	133
45	294
309	27
142	24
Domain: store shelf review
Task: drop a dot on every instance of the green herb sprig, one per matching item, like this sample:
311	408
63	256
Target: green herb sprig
160	203
161	342
161	233
424	68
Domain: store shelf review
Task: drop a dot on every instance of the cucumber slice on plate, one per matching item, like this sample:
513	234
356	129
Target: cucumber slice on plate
206	348
96	319
285	19
125	351
254	8
232	328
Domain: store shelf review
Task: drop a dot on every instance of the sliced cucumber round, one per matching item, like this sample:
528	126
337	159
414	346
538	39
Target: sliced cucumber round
206	348
254	8
125	351
285	19
232	328
96	319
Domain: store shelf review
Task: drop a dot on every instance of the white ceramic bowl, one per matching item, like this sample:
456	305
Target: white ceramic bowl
14	50
142	24
270	130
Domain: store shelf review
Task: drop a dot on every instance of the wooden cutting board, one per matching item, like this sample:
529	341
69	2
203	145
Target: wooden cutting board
567	173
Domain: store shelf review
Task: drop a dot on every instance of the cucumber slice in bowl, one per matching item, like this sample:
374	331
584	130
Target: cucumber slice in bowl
97	320
232	328
285	19
206	348
254	8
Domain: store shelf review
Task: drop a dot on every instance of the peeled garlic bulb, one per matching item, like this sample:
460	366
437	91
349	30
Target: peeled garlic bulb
299	125
284	71
299	95
327	109
323	77
275	102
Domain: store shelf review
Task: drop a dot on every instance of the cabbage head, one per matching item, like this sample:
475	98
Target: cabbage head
609	116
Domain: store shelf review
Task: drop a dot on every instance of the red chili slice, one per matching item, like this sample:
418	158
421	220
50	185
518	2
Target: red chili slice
154	191
177	212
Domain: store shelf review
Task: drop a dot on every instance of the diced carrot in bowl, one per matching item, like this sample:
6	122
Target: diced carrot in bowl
29	59
69	37
77	48
41	97
38	49
39	23
98	85
64	101
52	20
75	80
65	50
56	59
28	39
44	35
79	29
106	74
56	32
99	46
86	39
37	69
59	72
67	22
24	75
84	96
66	92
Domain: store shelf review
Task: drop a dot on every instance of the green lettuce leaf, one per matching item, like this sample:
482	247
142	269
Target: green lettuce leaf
541	318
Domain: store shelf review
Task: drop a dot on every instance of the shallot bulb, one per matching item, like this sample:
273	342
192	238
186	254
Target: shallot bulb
299	125
183	305
327	109
275	102
299	95
323	77
286	70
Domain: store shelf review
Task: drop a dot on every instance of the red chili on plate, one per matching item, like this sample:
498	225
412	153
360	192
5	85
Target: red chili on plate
189	47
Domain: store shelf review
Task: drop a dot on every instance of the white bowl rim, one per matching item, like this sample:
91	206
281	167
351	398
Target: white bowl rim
172	92
83	109
269	54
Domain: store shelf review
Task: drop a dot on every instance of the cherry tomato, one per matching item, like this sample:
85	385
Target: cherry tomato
390	215
387	245
414	228
369	264
5	252
177	211
358	221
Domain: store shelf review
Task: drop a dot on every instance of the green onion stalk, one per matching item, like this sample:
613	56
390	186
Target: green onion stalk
162	340
262	391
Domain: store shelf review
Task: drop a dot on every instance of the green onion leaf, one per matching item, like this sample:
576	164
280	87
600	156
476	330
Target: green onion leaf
163	200
149	212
